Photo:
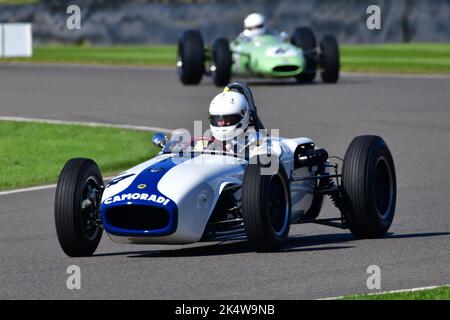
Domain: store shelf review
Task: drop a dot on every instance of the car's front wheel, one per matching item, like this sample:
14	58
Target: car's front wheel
369	187
266	208
77	207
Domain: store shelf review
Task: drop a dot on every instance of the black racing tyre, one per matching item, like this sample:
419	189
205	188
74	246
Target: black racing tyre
369	187
266	208
77	203
329	59
191	57
222	61
304	38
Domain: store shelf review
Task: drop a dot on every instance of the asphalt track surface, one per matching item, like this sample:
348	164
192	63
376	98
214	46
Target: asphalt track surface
412	114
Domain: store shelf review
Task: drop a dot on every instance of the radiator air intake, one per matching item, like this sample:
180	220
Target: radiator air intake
138	217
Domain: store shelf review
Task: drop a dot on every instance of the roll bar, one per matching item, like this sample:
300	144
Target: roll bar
244	88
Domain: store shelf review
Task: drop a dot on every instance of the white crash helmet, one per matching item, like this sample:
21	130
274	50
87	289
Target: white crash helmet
229	115
254	25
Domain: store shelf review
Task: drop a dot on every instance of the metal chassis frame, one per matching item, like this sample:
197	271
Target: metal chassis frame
338	222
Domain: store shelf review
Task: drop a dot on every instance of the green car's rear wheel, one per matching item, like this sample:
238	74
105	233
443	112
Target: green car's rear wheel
329	59
191	57
304	38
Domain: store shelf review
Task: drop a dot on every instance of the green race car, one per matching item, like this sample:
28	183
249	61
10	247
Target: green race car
266	56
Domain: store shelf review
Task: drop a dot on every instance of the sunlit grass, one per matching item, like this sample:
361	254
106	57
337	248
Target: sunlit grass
394	58
34	153
441	293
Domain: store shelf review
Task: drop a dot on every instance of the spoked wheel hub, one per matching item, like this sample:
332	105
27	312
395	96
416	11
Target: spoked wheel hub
90	208
278	205
383	187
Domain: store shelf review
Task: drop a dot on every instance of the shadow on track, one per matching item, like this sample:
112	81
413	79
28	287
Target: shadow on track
292	82
315	83
416	235
294	244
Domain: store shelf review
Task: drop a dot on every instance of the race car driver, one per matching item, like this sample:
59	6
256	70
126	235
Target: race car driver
229	118
254	26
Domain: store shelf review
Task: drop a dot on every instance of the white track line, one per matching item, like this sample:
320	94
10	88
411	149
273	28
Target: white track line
89	124
387	292
37	188
49	186
88	66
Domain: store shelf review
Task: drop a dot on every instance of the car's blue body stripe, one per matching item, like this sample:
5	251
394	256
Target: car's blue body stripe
150	178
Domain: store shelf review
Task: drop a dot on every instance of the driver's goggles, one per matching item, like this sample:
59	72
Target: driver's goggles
225	120
255	27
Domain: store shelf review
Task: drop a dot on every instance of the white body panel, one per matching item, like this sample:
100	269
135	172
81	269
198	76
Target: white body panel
196	184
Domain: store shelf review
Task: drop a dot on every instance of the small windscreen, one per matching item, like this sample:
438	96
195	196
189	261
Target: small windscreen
225	120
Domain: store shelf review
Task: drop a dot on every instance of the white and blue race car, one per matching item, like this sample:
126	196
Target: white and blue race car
193	191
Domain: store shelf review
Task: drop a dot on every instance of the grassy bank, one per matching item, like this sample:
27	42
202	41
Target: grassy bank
441	293
34	153
402	58
118	55
397	58
18	1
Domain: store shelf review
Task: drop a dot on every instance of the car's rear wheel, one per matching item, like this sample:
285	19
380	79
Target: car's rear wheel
191	57
266	208
329	59
304	38
369	187
222	61
77	207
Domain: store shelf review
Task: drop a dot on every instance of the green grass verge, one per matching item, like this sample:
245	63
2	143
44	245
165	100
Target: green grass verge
402	58
120	55
34	153
394	58
441	293
18	1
